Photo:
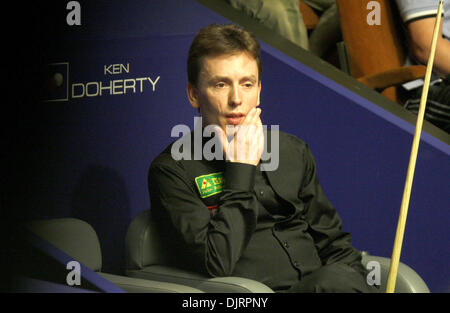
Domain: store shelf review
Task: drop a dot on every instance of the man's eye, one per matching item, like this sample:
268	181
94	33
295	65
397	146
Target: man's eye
248	85
220	85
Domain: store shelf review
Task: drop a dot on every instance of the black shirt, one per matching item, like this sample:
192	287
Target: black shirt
274	227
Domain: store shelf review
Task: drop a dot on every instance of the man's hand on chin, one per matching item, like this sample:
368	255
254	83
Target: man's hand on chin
247	143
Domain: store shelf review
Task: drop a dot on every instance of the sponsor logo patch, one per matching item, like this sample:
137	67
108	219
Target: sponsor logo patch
209	184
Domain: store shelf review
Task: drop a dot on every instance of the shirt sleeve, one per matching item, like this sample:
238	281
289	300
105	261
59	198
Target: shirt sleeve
333	244
411	10
214	241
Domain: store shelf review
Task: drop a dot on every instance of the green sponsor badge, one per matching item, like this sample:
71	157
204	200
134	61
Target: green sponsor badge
209	184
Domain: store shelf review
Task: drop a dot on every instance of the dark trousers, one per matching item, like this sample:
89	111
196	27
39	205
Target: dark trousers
333	278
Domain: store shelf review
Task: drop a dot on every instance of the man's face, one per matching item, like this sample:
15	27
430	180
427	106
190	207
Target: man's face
227	89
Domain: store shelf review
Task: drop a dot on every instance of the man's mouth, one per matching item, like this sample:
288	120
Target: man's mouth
235	118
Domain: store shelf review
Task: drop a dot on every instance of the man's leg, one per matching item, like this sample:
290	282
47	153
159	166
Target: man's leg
335	278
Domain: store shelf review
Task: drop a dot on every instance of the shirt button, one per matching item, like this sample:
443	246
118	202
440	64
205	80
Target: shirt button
286	245
261	192
295	263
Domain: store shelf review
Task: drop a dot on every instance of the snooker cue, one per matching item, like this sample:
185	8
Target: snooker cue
392	277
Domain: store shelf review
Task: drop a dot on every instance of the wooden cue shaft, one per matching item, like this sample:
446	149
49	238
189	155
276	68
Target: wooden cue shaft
392	277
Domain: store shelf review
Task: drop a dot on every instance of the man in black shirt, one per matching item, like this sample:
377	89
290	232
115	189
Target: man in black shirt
228	216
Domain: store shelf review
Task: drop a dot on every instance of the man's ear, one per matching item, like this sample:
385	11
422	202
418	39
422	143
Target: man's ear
259	94
192	93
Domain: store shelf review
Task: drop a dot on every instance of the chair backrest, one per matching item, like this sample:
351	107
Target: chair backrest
376	48
143	244
72	236
79	240
371	48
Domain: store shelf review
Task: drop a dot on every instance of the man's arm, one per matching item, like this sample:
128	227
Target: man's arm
214	243
333	245
421	33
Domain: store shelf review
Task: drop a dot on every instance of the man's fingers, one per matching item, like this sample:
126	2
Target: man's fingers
261	137
249	119
222	137
247	143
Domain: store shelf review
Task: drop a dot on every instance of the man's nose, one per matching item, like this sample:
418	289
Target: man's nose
235	96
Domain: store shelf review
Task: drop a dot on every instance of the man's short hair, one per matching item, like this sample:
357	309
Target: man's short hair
217	40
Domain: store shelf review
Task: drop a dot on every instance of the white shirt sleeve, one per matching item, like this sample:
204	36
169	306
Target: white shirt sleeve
417	9
411	10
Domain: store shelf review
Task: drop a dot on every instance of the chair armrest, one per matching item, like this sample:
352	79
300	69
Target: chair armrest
408	281
234	284
137	285
198	281
393	77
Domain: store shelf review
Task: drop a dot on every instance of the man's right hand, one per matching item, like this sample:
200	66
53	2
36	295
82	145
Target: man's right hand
247	139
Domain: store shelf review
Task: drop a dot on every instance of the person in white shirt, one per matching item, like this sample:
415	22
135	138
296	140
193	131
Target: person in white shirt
419	18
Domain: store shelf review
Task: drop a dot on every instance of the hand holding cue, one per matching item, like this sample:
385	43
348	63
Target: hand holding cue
412	161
